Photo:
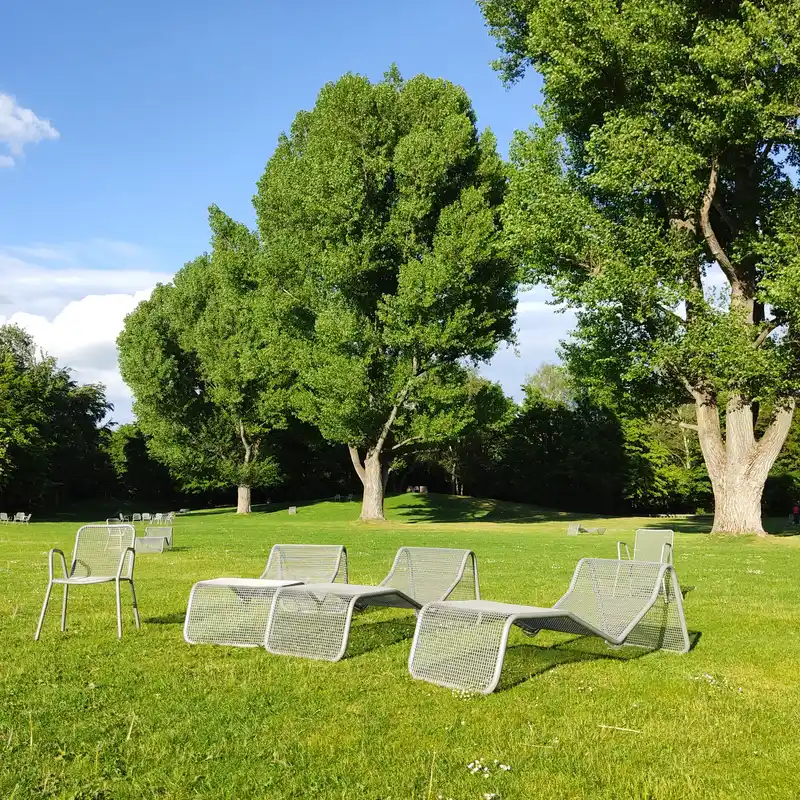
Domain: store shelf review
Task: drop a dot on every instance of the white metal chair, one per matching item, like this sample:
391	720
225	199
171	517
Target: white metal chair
313	620
102	554
26	519
576	529
19	516
147	517
462	645
155	540
136	517
650	544
4	517
234	611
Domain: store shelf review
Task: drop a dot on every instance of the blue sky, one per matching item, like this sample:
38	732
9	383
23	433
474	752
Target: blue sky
128	120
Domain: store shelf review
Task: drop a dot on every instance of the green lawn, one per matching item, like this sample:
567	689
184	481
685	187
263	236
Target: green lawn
85	716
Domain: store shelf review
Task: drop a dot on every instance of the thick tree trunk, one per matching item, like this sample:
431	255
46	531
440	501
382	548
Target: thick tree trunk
374	476
737	463
243	500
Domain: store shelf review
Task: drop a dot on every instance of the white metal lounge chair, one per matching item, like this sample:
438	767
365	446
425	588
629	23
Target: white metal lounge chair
155	540
234	611
650	544
4	517
462	645
19	516
575	529
103	554
313	620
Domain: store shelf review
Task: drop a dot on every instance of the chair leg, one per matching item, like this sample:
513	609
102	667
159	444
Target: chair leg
64	608
119	611
44	609
135	606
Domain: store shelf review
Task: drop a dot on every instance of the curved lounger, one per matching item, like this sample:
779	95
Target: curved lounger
313	620
461	645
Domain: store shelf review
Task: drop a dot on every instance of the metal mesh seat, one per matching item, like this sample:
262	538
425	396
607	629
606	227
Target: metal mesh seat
234	611
102	554
461	645
155	540
313	620
650	544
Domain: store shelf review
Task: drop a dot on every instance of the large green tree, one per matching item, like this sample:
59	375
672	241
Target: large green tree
664	161
208	368
379	217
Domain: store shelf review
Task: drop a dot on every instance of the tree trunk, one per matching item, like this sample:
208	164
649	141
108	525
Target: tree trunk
243	500
738	464
374	475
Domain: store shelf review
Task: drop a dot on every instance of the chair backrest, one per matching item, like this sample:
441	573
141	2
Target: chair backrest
574	529
165	532
434	573
311	563
3	516
136	518
20	516
146	517
99	548
649	545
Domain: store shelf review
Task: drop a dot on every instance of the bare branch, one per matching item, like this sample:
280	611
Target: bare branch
356	459
772	325
244	442
688	426
710	237
406	442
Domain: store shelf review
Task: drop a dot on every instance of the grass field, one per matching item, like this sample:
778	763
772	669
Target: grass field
85	716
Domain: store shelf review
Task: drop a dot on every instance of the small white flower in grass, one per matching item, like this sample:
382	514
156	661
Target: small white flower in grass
491	796
505	768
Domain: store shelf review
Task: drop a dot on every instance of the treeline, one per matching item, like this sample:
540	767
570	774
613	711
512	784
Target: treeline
557	448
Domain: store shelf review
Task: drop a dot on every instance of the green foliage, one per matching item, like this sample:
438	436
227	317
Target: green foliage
379	217
669	132
51	428
207	367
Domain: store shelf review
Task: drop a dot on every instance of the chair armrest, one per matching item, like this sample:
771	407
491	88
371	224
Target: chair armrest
666	552
620	545
121	566
50	562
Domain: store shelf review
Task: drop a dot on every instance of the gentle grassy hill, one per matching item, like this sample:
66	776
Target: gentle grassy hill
85	716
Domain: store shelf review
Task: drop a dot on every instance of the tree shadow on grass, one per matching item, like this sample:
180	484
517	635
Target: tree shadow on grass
371	636
177	618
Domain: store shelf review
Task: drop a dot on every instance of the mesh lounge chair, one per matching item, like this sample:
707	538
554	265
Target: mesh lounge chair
103	554
4	517
650	544
313	621
19	516
234	611
462	645
155	540
575	529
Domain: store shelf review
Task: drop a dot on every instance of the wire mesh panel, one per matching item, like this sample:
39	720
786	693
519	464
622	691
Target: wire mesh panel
462	645
150	544
230	611
313	621
434	573
310	563
98	550
164	532
234	611
654	545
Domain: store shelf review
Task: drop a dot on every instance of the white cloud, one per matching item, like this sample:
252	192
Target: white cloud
73	300
541	327
19	127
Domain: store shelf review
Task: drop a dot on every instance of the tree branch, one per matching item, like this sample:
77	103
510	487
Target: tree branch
406	442
772	325
244	442
710	237
673	314
688	426
356	459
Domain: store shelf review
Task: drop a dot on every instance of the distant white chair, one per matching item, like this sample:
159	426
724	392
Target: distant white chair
576	529
155	540
234	611
147	517
136	518
650	544
4	517
102	554
313	620
20	516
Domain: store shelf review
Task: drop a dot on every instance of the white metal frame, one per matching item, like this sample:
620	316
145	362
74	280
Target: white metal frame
667	546
124	572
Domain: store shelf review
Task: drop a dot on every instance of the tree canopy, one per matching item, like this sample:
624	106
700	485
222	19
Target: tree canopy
657	196
379	219
207	367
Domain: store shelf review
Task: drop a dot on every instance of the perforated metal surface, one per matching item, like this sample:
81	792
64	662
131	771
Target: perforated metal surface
98	550
313	621
150	544
234	611
310	563
230	611
164	532
102	554
461	645
654	545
